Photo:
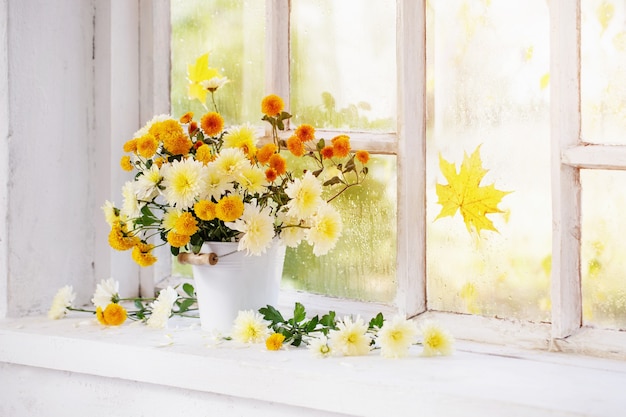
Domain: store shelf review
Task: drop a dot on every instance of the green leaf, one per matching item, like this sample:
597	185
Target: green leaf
174	250
311	324
280	125
333	181
185	304
328	320
284	116
272	315
320	144
139	304
299	313
189	290
377	322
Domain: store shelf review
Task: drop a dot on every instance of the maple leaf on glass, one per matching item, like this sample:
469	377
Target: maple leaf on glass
464	192
197	73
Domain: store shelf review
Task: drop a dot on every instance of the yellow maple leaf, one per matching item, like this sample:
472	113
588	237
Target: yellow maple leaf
197	73
463	192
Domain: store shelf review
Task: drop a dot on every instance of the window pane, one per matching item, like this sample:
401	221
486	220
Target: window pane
363	264
343	70
488	93
603	71
603	248
233	32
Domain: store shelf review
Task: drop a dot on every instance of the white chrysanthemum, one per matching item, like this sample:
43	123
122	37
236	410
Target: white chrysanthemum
61	302
162	308
131	208
306	196
252	179
396	336
351	337
293	231
107	292
170	217
110	214
144	130
147	183
257	227
320	347
230	162
183	182
217	184
214	83
250	327
325	230
242	136
435	340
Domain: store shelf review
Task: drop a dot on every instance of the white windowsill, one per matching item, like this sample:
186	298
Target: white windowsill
478	379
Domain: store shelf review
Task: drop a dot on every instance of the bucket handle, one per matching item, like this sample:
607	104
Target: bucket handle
200	258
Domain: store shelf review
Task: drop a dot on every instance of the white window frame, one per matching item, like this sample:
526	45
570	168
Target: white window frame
569	154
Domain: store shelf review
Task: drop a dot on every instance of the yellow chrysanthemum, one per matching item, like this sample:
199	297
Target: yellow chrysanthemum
120	239
113	315
275	341
265	153
204	154
278	164
142	254
295	146
177	240
436	341
272	105
171	134
305	132
159	162
205	210
186	224
363	156
241	137
229	208
341	146
126	164
130	146
147	146
212	123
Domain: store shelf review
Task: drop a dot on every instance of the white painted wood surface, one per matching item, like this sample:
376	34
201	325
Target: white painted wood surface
595	157
5	136
565	133
134	370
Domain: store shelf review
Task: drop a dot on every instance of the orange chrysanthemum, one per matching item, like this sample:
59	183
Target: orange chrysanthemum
186	224
120	239
275	341
171	133
363	156
142	254
341	146
265	153
147	145
295	146
192	129
159	162
186	118
212	123
205	210
327	152
272	105
271	175
177	240
305	132
130	146
113	315
278	163
204	154
125	163
229	208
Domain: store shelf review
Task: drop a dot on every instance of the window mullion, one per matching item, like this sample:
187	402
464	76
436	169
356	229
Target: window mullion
565	133
411	87
277	49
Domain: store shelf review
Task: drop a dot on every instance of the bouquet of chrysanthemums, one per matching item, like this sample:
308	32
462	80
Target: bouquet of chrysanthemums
198	181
